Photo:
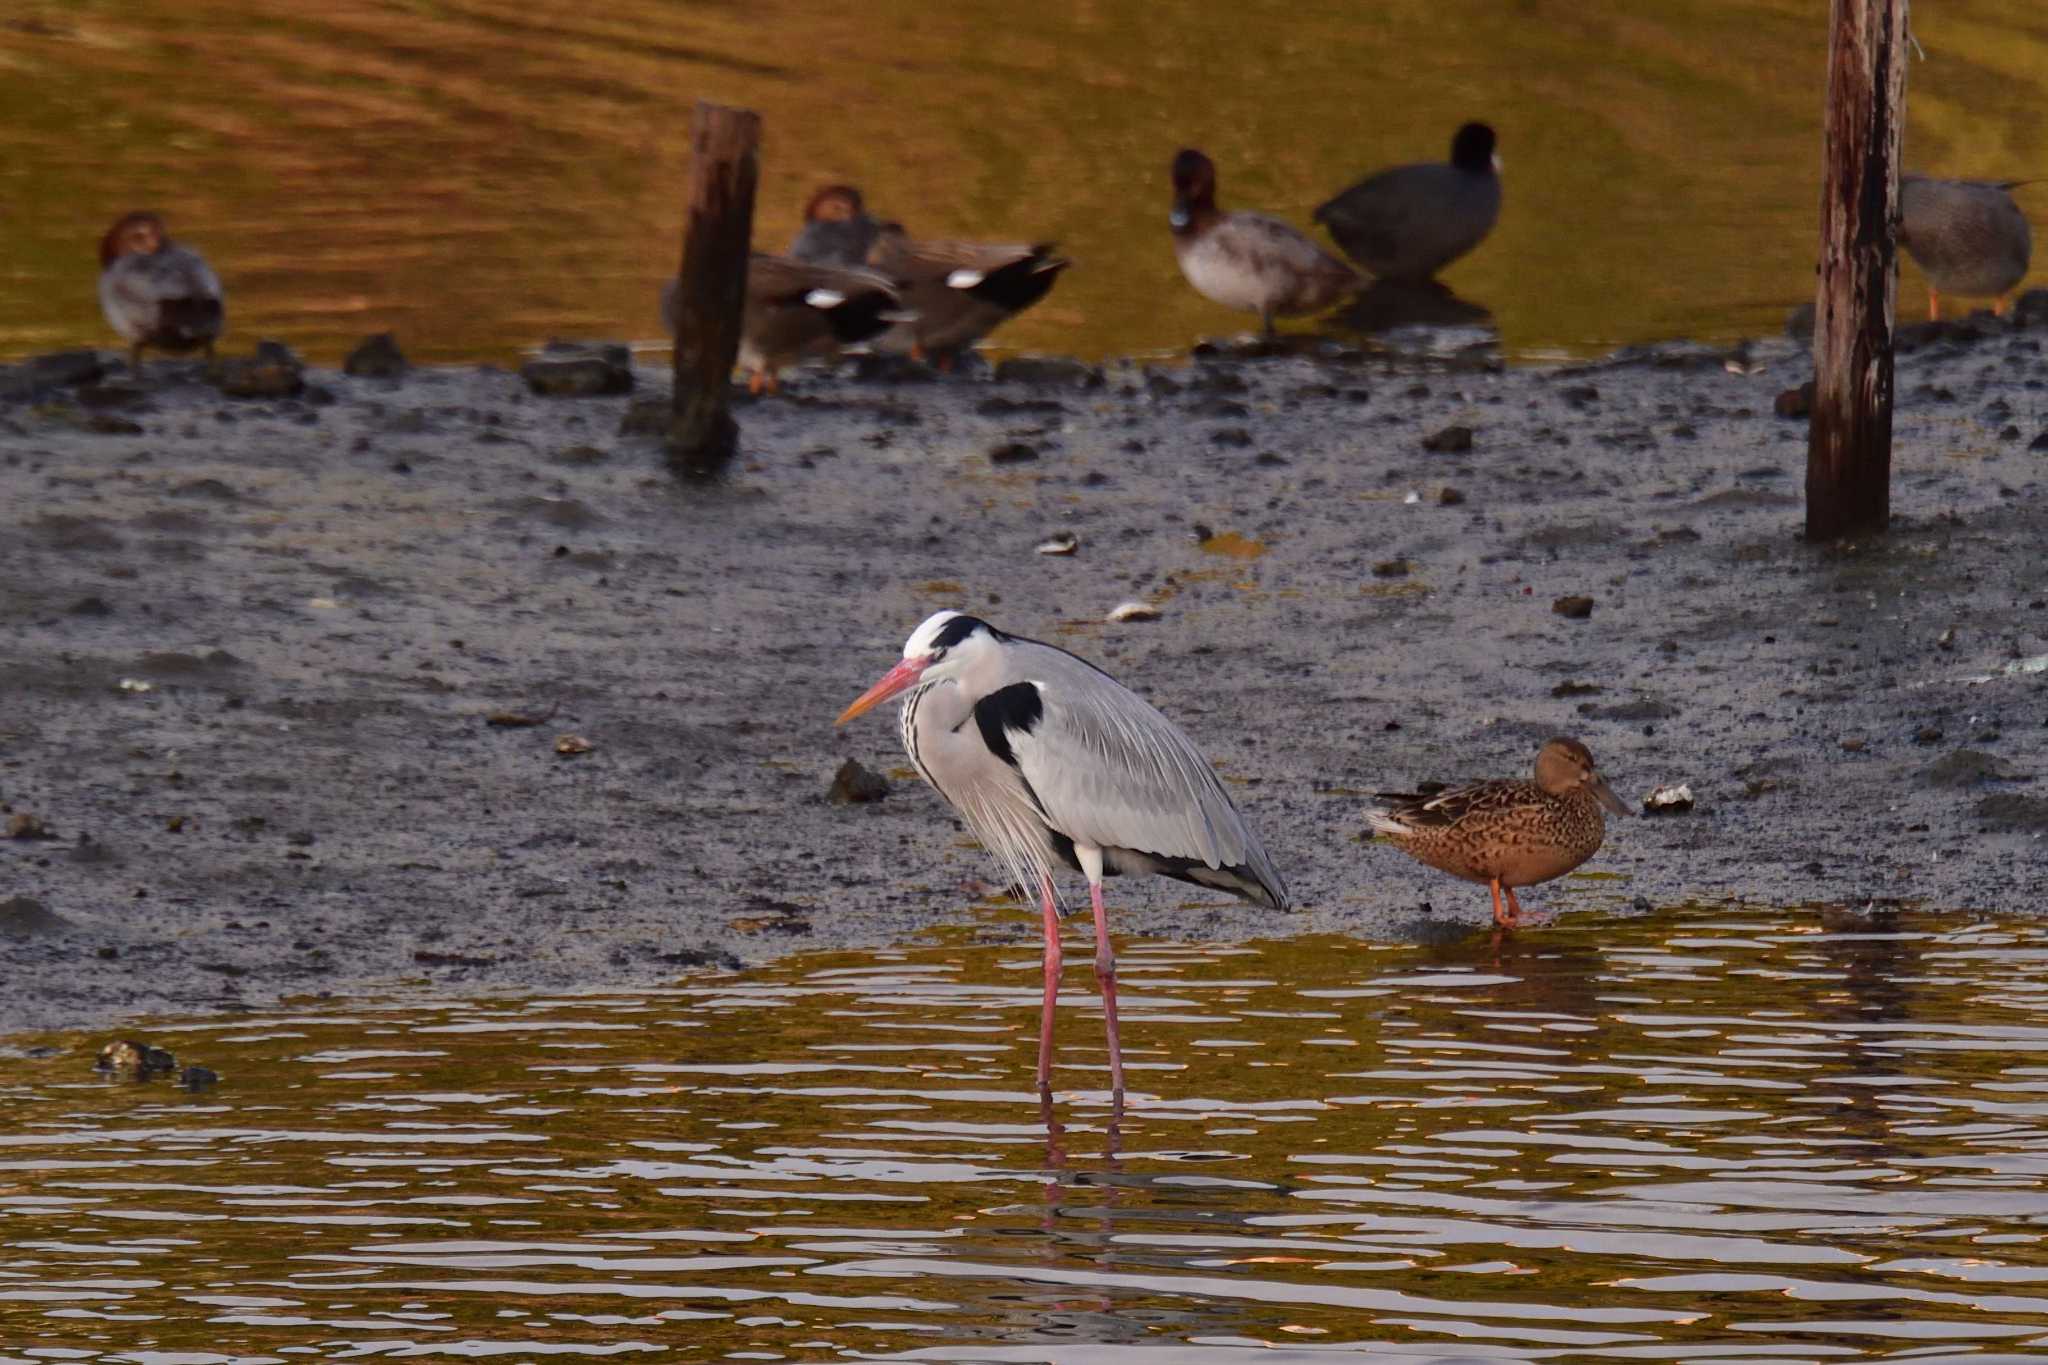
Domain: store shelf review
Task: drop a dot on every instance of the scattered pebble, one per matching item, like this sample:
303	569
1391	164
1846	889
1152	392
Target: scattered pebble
376	357
1855	744
1449	497
274	371
1012	452
1133	611
24	825
26	917
1795	402
1573	608
572	370
517	720
1450	441
1967	768
1392	568
1668	799
856	784
568	746
1065	543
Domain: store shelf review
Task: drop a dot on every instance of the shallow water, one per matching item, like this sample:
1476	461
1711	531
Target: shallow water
1791	1135
480	174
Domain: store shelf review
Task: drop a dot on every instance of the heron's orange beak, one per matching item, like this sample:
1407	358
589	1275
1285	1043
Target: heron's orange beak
901	678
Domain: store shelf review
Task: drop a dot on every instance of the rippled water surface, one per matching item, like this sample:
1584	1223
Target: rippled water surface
1704	1136
480	174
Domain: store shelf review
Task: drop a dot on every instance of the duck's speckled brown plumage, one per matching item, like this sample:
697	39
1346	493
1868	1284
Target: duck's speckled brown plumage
1968	235
1507	832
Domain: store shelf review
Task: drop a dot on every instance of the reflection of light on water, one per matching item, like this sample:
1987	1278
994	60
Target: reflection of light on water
1682	1135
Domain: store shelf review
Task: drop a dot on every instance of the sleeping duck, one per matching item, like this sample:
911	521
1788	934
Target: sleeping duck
155	292
1409	222
798	311
960	291
1248	261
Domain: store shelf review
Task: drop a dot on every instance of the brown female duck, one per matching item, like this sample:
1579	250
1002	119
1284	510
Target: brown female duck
960	291
1409	222
1507	832
1968	235
155	292
798	311
1248	261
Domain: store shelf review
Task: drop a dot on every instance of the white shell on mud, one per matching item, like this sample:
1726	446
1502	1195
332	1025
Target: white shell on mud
1669	799
1065	543
1133	611
137	685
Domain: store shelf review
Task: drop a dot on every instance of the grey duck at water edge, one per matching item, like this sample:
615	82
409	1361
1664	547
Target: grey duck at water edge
1249	261
1968	235
157	293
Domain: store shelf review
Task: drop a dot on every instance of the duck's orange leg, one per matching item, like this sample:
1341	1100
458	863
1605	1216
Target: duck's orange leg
1999	305
1503	916
1933	304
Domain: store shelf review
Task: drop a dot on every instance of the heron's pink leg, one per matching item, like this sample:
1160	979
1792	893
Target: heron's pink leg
1105	977
1052	985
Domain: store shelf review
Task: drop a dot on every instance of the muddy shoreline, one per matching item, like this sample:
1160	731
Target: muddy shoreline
254	651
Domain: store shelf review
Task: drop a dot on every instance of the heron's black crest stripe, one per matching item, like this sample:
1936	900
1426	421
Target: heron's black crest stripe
959	628
1017	708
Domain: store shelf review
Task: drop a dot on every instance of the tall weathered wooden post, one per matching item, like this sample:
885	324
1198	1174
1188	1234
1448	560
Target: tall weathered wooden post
1849	445
711	289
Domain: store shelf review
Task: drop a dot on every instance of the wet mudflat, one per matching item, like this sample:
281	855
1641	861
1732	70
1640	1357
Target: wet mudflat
1693	1135
257	653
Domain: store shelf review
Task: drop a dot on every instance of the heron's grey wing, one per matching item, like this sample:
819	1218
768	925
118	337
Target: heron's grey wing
1110	770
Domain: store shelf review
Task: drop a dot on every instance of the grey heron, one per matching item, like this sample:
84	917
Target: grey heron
1051	762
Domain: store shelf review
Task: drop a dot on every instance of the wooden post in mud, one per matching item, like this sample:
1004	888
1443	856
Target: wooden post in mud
711	288
1849	444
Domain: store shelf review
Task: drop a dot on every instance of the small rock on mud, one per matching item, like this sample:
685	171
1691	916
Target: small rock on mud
1453	440
1012	452
1668	799
376	357
2024	814
274	371
1966	768
26	917
569	370
1573	608
1795	402
856	784
1052	372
